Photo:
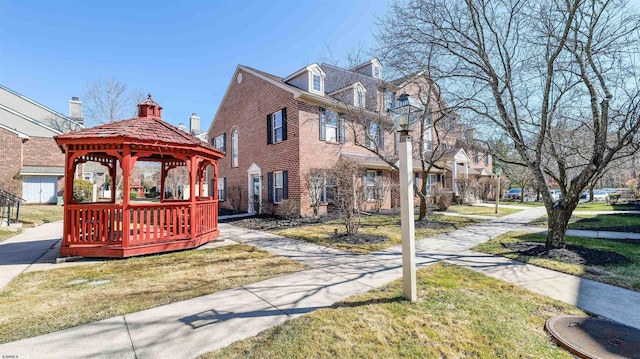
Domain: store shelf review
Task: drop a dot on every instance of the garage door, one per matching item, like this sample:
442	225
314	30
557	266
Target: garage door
39	189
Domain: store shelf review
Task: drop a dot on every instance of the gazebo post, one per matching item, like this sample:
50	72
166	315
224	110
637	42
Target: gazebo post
126	216
68	193
193	171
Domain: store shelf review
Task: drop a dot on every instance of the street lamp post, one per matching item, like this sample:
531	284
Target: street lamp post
405	112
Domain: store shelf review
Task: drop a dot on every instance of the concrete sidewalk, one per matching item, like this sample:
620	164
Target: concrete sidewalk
192	327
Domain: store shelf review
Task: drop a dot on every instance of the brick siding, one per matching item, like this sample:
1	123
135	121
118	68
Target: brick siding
36	151
10	148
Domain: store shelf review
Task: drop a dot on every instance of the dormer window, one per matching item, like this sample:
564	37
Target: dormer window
359	98
316	81
359	95
376	72
316	84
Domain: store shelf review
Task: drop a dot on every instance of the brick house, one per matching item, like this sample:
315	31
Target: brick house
31	164
275	130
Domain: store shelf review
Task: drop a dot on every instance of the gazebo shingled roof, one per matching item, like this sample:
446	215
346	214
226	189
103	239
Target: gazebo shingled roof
128	228
147	129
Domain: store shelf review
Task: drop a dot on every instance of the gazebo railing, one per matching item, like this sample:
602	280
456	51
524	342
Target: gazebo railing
102	223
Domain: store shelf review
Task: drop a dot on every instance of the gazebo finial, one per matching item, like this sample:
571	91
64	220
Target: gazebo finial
149	96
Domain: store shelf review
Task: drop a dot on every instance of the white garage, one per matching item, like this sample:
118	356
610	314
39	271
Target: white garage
40	184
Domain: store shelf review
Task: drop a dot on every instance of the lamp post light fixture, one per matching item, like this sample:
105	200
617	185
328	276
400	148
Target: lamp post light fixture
405	112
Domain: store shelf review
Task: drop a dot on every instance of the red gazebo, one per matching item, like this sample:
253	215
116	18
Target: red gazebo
125	228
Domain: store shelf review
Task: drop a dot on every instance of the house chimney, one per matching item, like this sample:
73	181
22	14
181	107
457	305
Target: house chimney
194	123
75	110
182	127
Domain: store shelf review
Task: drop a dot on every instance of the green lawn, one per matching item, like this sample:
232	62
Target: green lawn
623	222
626	275
482	210
523	204
377	232
604	206
36	214
4	234
41	302
459	314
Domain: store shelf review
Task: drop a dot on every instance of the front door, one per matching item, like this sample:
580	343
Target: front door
255	194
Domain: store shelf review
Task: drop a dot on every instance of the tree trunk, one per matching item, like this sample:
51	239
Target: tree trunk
423	208
557	224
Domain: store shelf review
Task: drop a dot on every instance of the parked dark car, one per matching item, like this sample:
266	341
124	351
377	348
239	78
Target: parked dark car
514	193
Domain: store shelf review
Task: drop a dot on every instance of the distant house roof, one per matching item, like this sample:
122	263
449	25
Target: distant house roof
368	161
29	117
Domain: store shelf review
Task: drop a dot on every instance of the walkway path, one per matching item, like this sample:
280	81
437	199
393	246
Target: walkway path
186	329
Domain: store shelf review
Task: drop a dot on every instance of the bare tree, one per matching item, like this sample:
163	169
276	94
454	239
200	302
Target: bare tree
315	180
107	100
347	192
176	180
558	78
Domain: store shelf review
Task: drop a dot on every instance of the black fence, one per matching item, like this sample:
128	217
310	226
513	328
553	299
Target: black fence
9	208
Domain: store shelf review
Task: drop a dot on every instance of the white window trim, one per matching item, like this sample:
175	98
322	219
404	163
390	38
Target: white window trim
275	186
274	128
311	88
218	142
370	187
234	148
328	126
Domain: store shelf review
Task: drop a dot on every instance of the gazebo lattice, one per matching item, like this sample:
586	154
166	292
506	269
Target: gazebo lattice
128	228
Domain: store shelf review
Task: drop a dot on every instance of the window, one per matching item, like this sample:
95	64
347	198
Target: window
427	140
316	85
328	194
219	142
376	72
476	156
331	127
234	148
375	136
486	158
431	181
277	186
369	185
222	185
277	126
359	98
388	99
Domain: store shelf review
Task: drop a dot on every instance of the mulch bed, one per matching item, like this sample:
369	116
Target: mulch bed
570	254
268	223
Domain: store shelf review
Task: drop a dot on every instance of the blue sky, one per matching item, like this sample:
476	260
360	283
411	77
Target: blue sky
184	52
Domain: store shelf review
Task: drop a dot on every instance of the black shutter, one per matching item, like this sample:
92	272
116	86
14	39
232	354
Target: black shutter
270	187
269	135
284	123
323	134
285	184
341	131
224	142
